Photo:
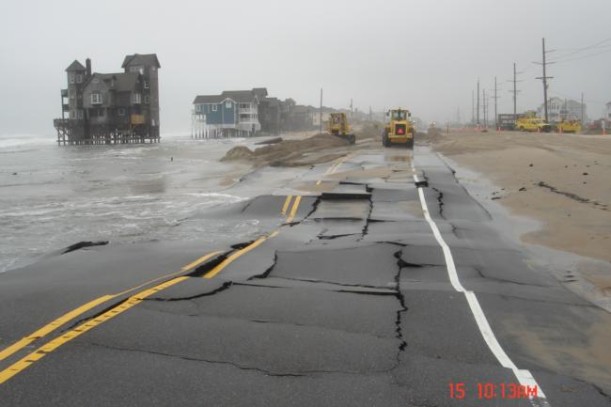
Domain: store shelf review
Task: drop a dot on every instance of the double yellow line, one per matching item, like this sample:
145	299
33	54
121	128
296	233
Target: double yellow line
132	301
287	202
68	336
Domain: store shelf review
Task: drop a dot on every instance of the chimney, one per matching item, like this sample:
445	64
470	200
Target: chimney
88	66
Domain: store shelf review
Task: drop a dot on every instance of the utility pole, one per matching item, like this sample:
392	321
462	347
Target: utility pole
477	111
320	113
472	108
582	108
485	103
515	92
544	78
496	112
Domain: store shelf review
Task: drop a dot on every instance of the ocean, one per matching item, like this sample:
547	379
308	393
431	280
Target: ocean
52	197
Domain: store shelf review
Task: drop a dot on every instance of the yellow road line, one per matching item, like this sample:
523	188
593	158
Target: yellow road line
50	327
287	201
53	325
41	352
231	258
333	168
294	209
45	330
199	261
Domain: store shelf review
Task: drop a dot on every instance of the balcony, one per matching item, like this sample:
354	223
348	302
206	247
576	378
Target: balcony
137	119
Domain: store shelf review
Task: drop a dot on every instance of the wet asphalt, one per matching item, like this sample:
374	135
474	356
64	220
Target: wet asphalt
344	301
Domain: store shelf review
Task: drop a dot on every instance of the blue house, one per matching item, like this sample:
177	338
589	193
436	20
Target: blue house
230	114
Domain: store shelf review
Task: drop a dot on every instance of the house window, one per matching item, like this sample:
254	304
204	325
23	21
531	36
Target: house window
227	105
121	112
135	68
96	99
71	77
214	108
79	78
146	84
147	99
136	98
244	106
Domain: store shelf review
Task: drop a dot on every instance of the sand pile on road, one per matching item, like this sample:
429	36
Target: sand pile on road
288	153
238	153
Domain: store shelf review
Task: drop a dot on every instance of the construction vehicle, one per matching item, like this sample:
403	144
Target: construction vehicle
339	127
506	121
568	126
399	129
530	122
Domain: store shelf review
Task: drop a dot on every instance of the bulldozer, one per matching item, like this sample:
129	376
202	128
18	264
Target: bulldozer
339	127
399	129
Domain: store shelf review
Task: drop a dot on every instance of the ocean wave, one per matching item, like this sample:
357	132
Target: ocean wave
24	140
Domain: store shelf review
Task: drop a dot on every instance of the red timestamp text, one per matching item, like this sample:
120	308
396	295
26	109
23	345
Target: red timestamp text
489	391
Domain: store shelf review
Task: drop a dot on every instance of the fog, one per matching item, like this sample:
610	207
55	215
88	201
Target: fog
426	55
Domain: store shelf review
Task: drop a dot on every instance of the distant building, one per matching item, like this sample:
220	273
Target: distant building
270	115
230	114
316	116
608	115
563	109
111	108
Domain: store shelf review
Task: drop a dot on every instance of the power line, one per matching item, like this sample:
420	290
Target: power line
574	51
578	58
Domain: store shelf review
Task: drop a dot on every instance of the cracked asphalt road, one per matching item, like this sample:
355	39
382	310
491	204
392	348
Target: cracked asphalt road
345	300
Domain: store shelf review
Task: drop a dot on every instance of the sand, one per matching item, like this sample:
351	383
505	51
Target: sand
563	181
300	148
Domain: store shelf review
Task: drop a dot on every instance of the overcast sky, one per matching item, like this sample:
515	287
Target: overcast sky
425	55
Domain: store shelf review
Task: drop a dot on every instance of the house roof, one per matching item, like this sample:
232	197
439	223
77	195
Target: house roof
260	92
141	59
124	81
209	99
75	66
240	96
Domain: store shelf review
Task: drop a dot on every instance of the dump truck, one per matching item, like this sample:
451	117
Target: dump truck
339	127
530	122
399	129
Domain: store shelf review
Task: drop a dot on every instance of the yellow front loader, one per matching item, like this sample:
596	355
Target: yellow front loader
399	129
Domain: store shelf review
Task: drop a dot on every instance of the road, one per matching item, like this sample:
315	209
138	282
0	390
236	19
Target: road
383	285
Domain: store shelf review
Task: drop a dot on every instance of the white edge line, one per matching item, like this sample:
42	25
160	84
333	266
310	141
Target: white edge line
524	376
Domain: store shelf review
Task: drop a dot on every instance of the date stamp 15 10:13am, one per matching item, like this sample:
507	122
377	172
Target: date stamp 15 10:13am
490	391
